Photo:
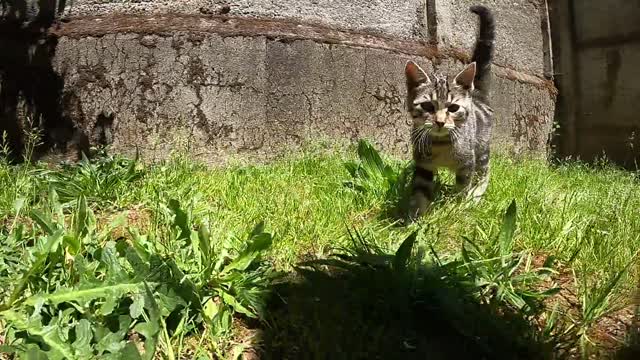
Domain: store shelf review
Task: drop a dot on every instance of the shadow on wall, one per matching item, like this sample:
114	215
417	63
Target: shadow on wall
30	89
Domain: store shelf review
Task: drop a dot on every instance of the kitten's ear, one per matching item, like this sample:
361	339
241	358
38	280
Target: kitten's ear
415	75
466	76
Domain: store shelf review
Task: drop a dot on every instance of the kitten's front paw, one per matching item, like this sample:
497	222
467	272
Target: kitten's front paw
417	208
412	216
473	198
476	192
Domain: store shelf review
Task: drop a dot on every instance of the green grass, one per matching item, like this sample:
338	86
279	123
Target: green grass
580	220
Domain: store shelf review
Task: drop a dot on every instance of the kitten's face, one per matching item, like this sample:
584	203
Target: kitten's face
436	105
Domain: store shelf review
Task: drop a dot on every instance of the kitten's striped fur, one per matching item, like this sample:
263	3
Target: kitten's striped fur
452	121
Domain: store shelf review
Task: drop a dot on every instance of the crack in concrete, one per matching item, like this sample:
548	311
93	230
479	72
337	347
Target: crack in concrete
274	29
223	100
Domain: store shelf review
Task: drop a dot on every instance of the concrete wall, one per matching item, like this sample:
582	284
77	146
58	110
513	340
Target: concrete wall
598	52
446	22
519	41
281	72
392	17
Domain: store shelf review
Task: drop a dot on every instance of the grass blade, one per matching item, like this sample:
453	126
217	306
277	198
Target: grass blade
74	295
401	258
505	238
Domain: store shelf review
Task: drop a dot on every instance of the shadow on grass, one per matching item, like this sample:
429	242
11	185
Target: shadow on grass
631	349
345	309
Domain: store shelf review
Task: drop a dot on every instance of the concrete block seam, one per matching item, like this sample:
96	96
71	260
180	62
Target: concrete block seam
276	30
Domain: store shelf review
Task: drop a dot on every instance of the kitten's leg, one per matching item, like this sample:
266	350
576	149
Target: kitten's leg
463	179
482	176
465	171
422	192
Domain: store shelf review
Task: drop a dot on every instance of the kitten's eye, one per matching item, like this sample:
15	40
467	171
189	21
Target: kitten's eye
453	108
427	106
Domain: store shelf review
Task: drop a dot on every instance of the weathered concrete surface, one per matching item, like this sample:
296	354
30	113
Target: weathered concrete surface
601	20
390	17
254	97
161	74
608	102
598	51
609	85
519	45
233	96
519	39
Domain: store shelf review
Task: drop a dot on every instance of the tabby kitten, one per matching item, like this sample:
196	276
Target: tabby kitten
452	122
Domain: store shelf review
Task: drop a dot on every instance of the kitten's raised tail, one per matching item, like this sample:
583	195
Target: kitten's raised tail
483	52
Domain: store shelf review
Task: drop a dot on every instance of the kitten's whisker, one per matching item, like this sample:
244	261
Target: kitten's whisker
426	139
416	134
416	131
419	137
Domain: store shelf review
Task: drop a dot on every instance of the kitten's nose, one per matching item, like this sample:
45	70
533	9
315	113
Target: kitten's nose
439	124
